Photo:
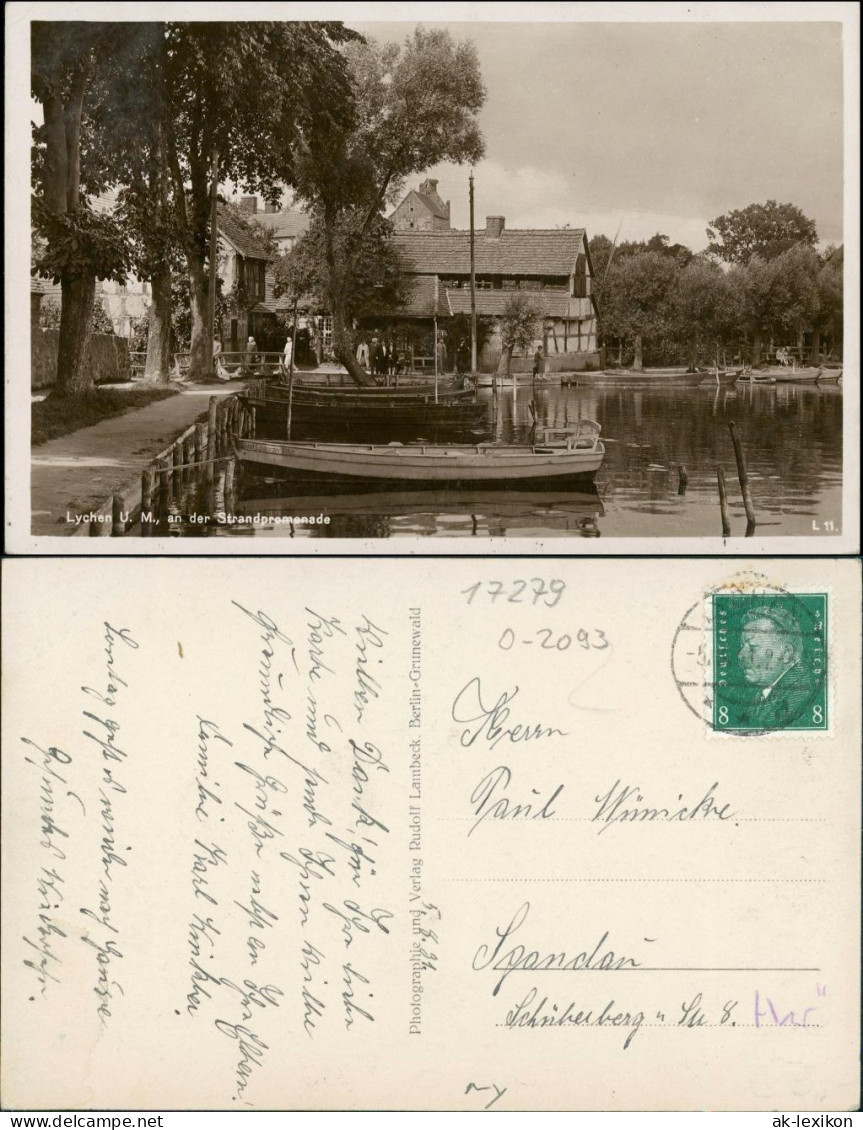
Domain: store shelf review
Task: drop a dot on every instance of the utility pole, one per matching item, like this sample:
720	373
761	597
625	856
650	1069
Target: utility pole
214	255
472	287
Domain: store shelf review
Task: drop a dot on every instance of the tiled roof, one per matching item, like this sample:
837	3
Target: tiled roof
284	224
427	298
245	242
554	302
517	252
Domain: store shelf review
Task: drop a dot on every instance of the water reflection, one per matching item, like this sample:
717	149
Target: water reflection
791	435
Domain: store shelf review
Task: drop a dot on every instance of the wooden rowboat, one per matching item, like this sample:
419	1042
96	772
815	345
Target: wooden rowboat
785	374
557	455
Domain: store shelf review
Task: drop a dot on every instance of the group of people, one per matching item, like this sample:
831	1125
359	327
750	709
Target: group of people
381	357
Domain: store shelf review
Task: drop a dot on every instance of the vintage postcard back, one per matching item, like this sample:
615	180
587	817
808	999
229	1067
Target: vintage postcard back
482	835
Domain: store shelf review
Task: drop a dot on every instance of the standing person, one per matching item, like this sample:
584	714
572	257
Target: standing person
537	362
251	350
460	357
375	356
383	359
363	354
288	352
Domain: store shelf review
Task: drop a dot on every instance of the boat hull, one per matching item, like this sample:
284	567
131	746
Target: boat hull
628	378
421	466
354	416
790	376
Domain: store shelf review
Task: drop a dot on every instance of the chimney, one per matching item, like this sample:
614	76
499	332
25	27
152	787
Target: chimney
271	209
249	204
494	226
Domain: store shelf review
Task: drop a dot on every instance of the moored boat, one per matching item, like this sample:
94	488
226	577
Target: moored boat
786	374
640	377
556	455
355	413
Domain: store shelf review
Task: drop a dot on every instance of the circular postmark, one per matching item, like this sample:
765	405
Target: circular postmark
750	657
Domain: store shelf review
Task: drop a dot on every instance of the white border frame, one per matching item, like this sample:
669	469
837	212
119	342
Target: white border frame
19	540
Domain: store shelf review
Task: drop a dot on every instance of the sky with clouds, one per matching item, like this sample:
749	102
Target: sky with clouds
655	126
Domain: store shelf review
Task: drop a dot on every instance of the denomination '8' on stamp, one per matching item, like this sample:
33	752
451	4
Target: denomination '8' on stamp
769	661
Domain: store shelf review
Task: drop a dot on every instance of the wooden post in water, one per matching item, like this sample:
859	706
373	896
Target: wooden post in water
743	476
682	478
200	443
118	527
188	453
290	400
229	487
212	440
164	489
148	477
252	428
723	503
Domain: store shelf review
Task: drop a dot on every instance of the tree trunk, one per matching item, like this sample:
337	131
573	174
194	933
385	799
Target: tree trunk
74	377
158	363
693	351
638	361
756	347
816	346
344	349
509	353
199	353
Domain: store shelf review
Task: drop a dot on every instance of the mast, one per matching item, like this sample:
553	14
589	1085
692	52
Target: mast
472	287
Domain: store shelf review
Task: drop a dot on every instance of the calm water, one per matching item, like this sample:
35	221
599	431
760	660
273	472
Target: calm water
792	437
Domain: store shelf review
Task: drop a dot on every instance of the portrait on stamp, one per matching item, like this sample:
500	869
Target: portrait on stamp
769	661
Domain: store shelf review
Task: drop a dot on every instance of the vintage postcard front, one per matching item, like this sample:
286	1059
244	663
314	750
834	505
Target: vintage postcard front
478	836
264	297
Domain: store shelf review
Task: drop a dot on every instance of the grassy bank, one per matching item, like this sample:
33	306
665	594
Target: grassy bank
53	417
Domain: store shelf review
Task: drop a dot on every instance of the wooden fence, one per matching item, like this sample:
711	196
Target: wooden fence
202	449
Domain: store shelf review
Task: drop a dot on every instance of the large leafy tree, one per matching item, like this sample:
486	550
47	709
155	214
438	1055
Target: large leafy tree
520	325
637	298
830	282
145	205
371	277
765	230
777	294
85	76
416	105
704	307
239	97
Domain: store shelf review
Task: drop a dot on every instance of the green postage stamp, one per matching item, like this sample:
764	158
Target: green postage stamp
769	661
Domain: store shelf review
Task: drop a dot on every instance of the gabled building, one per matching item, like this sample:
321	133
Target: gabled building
553	265
422	210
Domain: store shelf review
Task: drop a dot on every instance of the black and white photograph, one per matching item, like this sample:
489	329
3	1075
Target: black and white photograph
307	283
